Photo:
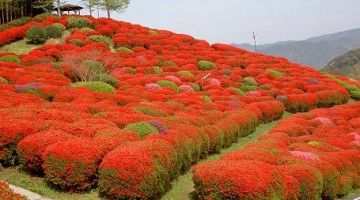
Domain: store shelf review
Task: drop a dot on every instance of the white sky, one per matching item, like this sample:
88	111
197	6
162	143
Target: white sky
233	21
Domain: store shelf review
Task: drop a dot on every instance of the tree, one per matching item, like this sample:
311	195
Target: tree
114	5
90	4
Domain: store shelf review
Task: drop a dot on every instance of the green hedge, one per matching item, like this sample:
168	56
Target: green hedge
205	65
95	86
141	128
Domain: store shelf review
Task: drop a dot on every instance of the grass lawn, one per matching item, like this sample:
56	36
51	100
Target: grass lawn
19	47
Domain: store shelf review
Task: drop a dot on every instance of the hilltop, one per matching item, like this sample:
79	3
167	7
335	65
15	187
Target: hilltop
347	64
316	51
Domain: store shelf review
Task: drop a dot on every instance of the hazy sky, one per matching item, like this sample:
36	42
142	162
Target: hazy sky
233	21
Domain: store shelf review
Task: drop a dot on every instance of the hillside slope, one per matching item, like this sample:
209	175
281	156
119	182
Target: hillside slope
316	51
347	64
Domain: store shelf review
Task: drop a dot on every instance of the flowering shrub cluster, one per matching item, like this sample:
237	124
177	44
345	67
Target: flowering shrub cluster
307	156
8	194
152	107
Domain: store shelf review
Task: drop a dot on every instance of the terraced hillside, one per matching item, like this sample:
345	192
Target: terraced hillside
124	110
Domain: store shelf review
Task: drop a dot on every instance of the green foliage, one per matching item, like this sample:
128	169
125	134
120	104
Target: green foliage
249	81
10	58
114	5
36	35
185	73
205	65
86	29
141	128
59	26
195	86
168	63
79	22
158	70
206	98
3	80
100	38
123	49
153	32
238	90
169	84
355	95
53	31
16	22
274	73
33	92
106	78
95	86
43	16
149	111
77	42
247	88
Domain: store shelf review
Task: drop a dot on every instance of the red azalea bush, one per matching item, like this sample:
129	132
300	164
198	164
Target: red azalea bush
7	194
308	148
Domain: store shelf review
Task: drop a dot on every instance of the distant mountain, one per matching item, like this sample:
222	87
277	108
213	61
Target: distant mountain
347	64
315	51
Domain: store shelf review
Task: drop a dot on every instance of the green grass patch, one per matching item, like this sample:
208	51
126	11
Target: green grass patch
19	47
17	177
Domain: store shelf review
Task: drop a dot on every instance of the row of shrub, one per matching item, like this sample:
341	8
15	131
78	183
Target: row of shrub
314	155
7	194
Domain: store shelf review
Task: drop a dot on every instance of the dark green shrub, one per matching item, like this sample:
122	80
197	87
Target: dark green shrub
77	42
205	65
78	22
274	73
141	128
185	73
36	35
250	81
169	84
95	86
10	58
2	80
100	38
33	92
106	78
123	49
53	32
94	65
195	86
207	99
283	99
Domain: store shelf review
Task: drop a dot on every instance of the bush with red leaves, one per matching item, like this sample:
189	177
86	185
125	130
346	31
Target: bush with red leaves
7	194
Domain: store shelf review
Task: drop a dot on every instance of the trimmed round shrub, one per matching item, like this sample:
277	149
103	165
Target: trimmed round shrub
275	73
141	128
36	35
72	164
247	88
140	170
96	86
78	22
158	70
282	99
106	78
185	73
8	194
355	95
250	81
169	84
10	58
77	42
195	86
168	63
153	32
59	26
94	66
100	38
30	149
53	32
206	98
123	49
205	65
2	80
238	91
32	91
